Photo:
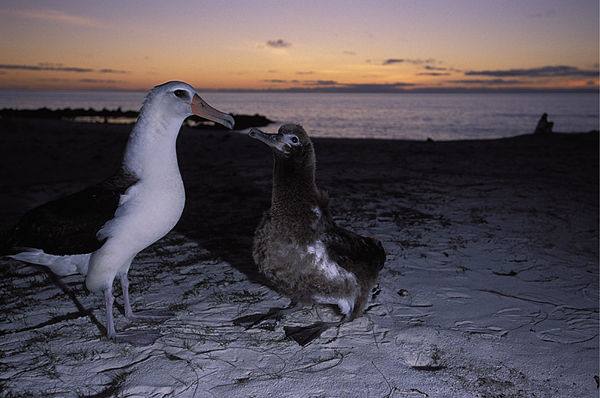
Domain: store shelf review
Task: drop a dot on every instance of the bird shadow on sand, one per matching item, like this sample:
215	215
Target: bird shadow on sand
82	311
225	197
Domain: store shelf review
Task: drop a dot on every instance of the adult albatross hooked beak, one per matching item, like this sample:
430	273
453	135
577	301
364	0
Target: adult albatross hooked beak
201	108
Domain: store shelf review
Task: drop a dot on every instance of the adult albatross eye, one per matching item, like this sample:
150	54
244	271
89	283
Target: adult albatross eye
180	93
295	140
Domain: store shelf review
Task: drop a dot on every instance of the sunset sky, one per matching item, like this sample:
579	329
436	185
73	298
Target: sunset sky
313	45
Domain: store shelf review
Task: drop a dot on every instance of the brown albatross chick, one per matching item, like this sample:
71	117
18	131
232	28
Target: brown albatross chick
300	249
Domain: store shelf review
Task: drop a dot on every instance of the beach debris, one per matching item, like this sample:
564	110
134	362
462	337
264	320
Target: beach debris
543	125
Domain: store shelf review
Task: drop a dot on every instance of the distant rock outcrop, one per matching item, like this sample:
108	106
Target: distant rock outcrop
241	122
118	116
544	126
246	121
66	113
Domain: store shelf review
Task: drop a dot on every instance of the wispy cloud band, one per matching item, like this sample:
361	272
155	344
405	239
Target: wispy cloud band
46	67
391	61
433	74
43	66
51	15
279	43
544	71
492	82
335	86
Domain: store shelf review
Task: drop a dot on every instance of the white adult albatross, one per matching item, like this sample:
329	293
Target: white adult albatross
98	231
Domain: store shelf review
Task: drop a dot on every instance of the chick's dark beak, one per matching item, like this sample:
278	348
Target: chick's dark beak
274	141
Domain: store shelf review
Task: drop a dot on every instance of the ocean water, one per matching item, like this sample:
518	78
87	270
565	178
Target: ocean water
360	115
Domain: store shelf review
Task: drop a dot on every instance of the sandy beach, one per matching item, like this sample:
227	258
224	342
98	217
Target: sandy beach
490	288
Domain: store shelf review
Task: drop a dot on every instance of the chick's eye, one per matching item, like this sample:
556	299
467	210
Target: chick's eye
295	140
180	93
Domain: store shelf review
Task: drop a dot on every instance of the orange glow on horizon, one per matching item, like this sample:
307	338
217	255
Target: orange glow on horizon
260	46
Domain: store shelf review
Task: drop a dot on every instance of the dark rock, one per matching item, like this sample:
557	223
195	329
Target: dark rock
241	122
107	116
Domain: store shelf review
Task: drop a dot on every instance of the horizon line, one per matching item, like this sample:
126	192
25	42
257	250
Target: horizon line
351	90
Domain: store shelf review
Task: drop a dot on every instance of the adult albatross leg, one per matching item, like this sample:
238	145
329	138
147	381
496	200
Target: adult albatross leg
153	315
138	337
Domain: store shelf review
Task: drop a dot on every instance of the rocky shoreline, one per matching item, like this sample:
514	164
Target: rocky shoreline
119	116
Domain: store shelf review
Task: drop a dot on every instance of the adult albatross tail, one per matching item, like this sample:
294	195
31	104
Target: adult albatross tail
98	231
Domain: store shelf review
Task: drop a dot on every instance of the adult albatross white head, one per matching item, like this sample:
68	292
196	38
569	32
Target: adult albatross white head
98	231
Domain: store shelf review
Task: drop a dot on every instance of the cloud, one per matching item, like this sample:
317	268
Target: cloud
98	81
438	71
544	71
349	52
333	86
113	71
320	82
53	16
278	43
336	87
47	66
391	61
305	73
437	68
487	82
304	82
375	87
433	74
